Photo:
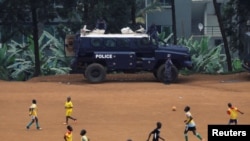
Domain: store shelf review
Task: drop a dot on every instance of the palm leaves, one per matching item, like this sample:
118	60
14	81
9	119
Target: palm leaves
5	60
18	61
206	59
209	59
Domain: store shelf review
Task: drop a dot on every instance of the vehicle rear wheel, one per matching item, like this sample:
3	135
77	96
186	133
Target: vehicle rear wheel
95	73
160	73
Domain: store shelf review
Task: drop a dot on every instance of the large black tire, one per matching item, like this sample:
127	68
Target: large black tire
95	73
160	73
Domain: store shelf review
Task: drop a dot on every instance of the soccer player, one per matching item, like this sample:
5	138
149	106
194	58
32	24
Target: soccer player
233	113
156	133
190	124
83	135
33	114
68	136
69	109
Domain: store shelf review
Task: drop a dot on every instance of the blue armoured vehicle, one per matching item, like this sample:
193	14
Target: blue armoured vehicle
96	55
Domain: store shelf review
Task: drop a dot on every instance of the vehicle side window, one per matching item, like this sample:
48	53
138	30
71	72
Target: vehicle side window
123	42
110	43
95	42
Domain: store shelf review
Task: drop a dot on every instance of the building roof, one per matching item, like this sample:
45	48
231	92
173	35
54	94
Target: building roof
133	35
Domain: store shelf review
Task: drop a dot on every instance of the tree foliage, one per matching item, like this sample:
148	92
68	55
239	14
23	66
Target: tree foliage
117	14
28	17
18	60
222	29
235	16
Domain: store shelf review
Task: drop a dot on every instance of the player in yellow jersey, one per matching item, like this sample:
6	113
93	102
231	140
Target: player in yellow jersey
33	114
190	124
233	113
68	136
69	109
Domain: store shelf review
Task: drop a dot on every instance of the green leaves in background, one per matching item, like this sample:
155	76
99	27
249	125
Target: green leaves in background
206	58
19	61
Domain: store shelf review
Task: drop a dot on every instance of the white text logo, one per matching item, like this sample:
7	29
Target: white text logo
103	56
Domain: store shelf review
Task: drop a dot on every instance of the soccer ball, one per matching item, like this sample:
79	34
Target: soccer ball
173	108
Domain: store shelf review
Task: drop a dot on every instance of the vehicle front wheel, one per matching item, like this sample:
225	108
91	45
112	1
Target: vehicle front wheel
95	73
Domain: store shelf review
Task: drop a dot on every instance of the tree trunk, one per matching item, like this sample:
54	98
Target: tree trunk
35	39
133	9
222	29
174	21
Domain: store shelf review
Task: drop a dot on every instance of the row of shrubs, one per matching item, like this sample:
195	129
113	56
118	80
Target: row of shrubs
18	60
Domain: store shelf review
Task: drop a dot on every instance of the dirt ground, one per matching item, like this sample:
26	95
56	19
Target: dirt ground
125	106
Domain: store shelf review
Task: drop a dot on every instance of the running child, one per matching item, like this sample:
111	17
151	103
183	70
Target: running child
233	113
156	133
83	135
68	136
69	109
33	115
190	125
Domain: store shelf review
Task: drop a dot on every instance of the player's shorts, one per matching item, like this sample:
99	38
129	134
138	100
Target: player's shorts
33	117
188	128
68	112
233	121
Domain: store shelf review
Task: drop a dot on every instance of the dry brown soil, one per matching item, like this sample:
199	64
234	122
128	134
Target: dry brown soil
125	106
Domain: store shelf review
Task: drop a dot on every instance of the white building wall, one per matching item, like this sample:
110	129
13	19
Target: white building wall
164	17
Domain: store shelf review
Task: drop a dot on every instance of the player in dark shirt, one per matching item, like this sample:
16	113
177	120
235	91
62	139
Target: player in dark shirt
156	133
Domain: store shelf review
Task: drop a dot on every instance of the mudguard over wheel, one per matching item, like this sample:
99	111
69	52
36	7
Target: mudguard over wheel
160	73
95	73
